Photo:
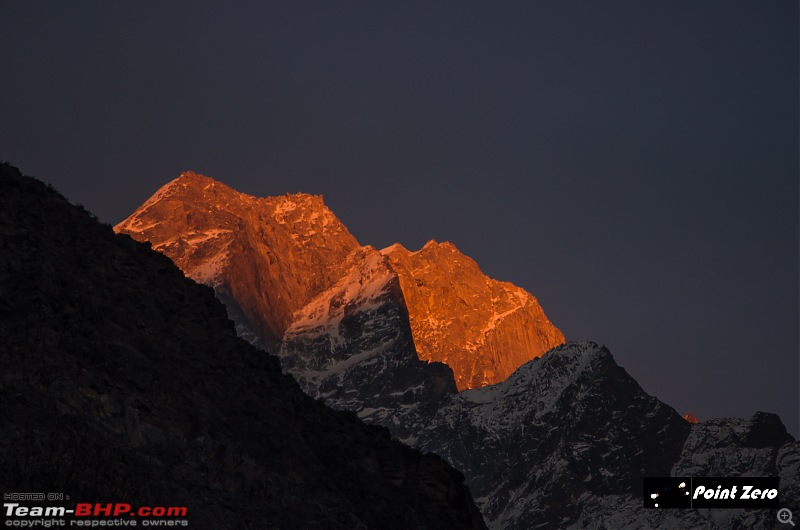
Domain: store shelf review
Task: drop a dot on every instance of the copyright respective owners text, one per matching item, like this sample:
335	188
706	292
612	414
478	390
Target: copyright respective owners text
49	510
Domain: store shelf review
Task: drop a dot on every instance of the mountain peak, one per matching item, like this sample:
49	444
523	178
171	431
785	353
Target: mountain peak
193	175
294	207
482	328
189	181
569	360
267	257
395	247
569	434
433	245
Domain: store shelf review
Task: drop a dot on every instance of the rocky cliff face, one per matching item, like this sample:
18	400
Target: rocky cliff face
267	258
121	380
482	328
352	346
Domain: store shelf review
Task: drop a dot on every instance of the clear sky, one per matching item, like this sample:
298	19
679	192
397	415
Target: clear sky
632	164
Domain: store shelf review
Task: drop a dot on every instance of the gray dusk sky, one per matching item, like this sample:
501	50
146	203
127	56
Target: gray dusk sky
632	164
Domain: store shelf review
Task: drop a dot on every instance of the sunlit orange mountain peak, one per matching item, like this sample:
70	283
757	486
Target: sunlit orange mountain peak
269	258
266	257
482	328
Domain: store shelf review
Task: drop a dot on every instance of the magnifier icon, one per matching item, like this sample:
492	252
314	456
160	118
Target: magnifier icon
785	516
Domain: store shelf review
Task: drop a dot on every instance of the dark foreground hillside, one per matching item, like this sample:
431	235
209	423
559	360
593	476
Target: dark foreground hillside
122	381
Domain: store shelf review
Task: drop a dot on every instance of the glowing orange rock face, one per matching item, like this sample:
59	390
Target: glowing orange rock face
482	328
267	258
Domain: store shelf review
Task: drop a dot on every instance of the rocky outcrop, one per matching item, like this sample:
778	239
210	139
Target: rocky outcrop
121	380
482	328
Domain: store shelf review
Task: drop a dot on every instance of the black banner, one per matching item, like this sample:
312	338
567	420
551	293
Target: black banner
711	492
